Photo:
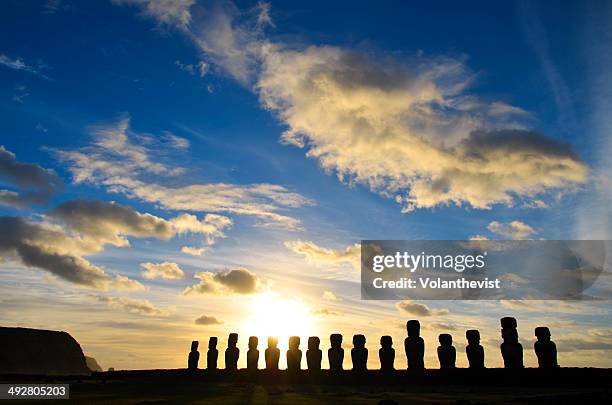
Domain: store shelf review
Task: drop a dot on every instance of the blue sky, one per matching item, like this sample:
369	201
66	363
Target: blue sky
299	130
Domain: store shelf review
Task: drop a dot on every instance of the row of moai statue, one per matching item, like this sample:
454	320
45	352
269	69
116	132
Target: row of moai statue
414	345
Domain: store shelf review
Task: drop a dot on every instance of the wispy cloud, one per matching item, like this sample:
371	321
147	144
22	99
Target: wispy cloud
511	230
537	38
135	306
19	64
117	163
167	12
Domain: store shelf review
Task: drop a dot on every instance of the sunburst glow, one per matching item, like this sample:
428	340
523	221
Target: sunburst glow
270	315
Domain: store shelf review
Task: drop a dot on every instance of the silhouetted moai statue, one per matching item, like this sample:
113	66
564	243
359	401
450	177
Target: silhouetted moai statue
511	349
194	356
446	351
545	349
359	353
232	352
386	353
252	353
294	354
335	352
314	354
474	351
212	355
272	354
414	345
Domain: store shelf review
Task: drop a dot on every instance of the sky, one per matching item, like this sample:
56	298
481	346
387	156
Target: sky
174	170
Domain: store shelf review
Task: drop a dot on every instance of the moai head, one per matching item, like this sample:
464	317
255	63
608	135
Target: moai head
272	342
414	328
542	333
510	335
359	341
294	342
473	337
194	345
313	343
232	340
508	322
212	343
386	341
336	340
253	341
445	339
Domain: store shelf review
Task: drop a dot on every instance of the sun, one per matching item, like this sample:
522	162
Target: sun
270	315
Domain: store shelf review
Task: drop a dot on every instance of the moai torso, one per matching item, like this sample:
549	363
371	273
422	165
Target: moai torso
446	352
335	352
545	349
232	352
414	345
386	353
359	353
194	356
474	351
272	354
253	353
511	349
313	354
294	354
212	355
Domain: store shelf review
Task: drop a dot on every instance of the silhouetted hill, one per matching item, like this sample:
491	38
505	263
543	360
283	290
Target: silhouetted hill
92	364
41	352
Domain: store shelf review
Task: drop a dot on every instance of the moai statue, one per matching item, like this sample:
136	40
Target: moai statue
314	354
252	353
232	352
335	352
386	353
475	352
446	351
511	349
294	354
272	354
414	345
212	355
359	353
194	356
545	349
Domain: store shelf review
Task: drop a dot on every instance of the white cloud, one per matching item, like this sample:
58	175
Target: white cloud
117	163
175	141
407	129
19	64
165	270
511	230
321	256
168	12
235	281
193	251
